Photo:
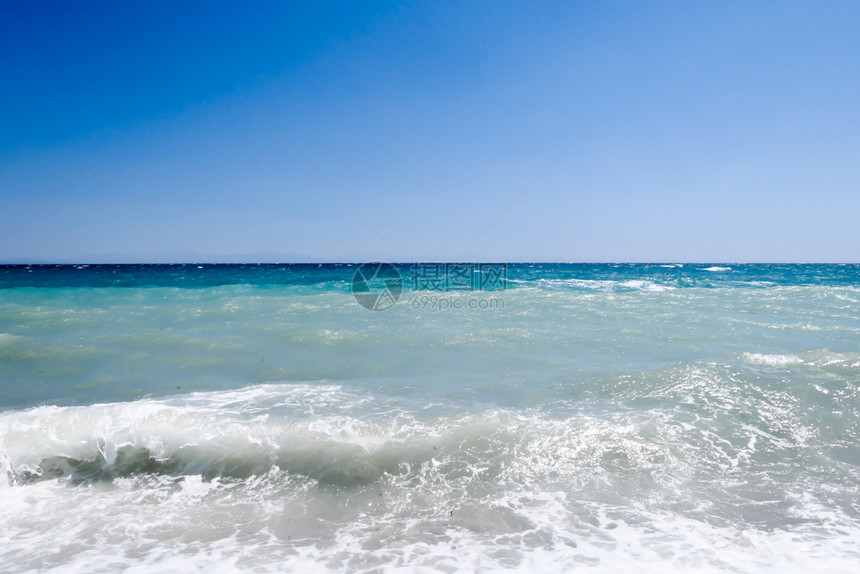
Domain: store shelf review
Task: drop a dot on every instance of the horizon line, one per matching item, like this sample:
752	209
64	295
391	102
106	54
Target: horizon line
19	263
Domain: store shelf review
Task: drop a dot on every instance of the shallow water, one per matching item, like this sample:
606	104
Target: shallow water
257	418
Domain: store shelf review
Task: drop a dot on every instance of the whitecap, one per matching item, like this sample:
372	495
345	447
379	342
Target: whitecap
771	360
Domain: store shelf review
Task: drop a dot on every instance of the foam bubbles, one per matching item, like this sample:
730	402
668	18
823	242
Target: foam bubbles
772	360
322	478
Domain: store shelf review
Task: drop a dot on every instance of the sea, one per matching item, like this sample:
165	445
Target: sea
423	417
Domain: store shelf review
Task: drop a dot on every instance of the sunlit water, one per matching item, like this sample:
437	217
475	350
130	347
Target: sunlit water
257	418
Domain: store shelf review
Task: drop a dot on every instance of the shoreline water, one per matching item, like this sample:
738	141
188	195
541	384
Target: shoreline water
663	418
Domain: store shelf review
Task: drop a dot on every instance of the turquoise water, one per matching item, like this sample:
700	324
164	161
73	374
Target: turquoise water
258	418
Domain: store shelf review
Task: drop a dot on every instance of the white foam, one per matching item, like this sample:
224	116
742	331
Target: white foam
607	285
349	486
717	268
771	360
191	525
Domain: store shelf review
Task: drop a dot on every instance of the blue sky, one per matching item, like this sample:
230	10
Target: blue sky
725	131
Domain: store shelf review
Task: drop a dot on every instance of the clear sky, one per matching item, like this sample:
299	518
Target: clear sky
169	131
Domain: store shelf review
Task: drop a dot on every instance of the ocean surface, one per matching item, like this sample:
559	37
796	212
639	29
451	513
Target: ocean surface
258	418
